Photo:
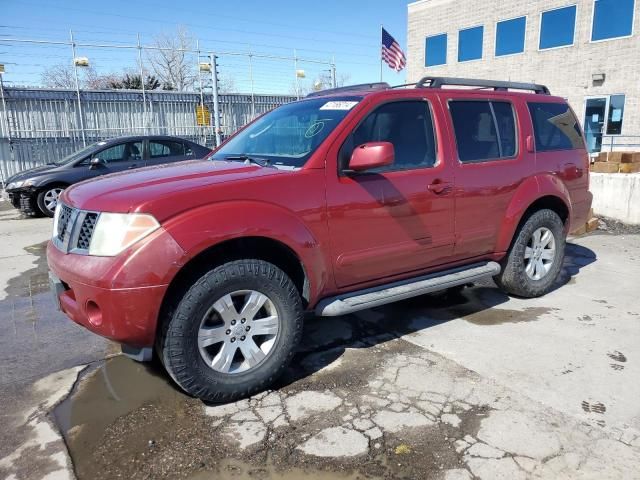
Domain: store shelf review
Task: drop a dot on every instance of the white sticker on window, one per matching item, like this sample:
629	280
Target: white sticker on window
338	105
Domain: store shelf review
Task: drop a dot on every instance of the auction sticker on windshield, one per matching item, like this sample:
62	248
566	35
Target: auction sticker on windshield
338	105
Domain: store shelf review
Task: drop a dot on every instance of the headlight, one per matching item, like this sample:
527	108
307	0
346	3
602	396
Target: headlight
13	185
115	232
56	219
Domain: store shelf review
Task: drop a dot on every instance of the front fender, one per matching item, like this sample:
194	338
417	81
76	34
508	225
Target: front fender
530	191
209	225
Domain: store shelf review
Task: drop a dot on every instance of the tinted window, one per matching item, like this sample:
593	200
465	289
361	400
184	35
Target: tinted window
165	148
477	135
555	127
616	112
510	36
612	19
435	50
407	125
557	27
123	152
470	44
505	120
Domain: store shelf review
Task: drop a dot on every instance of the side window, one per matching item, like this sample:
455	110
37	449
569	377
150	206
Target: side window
505	119
165	148
555	127
407	125
121	153
484	130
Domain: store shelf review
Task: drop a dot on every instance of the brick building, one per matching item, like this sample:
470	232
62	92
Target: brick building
585	50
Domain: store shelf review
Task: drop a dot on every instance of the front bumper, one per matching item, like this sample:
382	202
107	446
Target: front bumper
22	199
116	297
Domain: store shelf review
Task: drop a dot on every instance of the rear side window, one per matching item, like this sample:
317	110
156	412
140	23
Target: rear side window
165	148
555	127
484	130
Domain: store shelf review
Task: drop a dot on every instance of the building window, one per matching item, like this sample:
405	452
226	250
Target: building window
612	19
557	27
470	44
484	130
616	112
510	36
435	50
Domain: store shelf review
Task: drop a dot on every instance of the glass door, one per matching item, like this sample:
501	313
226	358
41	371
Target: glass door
594	122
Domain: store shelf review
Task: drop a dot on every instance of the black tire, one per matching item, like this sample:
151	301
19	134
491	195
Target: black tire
178	340
41	199
513	278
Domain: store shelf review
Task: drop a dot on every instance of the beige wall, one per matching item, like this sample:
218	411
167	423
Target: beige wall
566	71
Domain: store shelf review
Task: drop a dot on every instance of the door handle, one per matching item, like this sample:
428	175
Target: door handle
439	187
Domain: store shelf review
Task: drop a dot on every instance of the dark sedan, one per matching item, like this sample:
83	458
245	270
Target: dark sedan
36	191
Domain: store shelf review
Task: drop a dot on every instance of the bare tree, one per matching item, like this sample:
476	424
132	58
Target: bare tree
321	82
172	61
63	76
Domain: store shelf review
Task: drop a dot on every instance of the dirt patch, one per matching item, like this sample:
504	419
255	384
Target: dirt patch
614	227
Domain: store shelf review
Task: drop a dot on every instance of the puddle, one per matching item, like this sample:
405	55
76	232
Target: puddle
118	387
236	470
36	279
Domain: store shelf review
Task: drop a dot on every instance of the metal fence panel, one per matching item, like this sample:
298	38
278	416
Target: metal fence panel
42	125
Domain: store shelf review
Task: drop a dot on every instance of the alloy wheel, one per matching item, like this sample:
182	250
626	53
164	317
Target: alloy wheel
238	332
540	253
51	198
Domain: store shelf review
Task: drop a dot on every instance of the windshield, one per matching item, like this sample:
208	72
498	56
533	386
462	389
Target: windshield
80	153
288	135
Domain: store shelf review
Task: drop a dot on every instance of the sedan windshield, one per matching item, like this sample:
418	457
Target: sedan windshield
77	155
288	135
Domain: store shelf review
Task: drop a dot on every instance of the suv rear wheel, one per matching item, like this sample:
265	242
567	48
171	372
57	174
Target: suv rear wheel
233	332
535	257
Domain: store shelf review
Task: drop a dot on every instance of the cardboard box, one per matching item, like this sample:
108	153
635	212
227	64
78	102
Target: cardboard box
614	157
606	167
592	224
602	157
635	158
629	167
627	157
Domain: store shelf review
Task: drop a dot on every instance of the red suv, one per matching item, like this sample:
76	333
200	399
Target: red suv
349	199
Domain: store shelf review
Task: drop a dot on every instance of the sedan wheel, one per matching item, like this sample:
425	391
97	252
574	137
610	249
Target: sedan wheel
48	200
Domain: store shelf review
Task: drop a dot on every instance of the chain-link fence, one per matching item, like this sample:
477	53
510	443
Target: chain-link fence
59	95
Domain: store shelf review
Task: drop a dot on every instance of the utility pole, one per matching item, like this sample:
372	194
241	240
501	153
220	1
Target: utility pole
216	100
75	73
144	95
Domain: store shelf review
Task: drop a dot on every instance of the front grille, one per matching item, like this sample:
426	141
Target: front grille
75	229
86	230
64	222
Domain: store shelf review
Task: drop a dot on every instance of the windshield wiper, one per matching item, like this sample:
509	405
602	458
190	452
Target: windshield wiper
263	162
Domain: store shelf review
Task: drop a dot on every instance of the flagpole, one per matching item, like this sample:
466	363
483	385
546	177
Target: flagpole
380	52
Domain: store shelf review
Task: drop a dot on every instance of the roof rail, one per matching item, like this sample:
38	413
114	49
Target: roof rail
439	82
351	88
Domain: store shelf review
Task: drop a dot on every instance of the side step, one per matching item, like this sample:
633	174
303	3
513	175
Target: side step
392	292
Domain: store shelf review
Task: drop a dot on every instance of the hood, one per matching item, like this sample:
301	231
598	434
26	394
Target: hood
32	172
162	190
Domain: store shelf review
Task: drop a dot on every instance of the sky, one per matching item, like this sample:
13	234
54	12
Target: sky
347	31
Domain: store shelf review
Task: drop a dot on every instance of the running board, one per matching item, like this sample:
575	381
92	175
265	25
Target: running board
392	292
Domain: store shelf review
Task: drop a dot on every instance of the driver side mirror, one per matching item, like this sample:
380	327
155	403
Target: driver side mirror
96	162
371	155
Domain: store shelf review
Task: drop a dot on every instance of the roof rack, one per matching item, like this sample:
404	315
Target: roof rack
439	82
351	88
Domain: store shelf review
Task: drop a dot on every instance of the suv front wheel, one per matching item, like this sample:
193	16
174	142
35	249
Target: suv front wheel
233	332
535	257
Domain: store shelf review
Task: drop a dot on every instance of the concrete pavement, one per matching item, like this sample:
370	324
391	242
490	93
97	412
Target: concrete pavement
457	386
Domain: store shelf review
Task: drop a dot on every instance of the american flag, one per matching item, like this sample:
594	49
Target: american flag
392	54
